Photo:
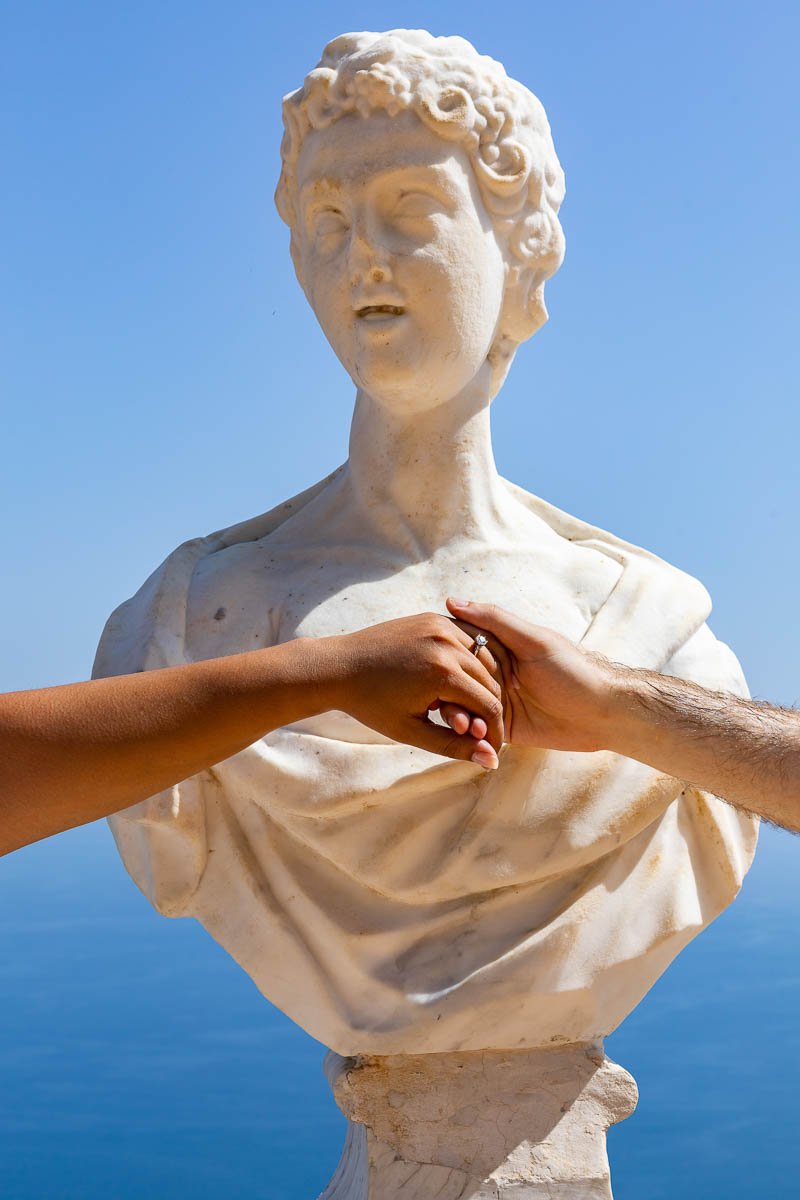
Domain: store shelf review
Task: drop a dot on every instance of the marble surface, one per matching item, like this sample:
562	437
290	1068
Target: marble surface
483	1125
388	901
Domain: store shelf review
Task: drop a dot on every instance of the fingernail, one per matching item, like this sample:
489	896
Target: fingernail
514	681
459	603
484	759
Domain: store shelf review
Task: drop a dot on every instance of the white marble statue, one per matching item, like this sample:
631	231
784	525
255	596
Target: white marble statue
392	902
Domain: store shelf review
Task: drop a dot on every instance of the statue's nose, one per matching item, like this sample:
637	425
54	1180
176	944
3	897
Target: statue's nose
369	262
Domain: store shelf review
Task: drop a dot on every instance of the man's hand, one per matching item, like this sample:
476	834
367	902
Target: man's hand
391	676
557	696
564	698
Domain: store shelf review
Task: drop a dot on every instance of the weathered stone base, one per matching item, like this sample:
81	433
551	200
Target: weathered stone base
482	1125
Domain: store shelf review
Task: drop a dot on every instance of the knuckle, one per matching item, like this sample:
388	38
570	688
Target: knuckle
453	679
443	663
437	622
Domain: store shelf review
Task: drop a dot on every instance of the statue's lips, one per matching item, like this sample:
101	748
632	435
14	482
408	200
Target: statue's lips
380	314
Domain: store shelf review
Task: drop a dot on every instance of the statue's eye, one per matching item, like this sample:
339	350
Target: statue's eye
417	204
329	221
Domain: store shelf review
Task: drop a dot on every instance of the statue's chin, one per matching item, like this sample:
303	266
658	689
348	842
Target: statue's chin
424	386
392	378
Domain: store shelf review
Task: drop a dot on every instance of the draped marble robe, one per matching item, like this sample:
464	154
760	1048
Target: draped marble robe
390	901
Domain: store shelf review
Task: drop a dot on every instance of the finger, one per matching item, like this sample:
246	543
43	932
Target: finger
489	677
499	711
502	664
515	633
503	659
474	689
462	722
478	728
484	655
418	731
473	692
458	720
467	634
504	670
495	655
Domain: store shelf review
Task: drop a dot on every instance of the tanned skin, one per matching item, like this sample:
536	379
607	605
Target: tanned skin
563	698
74	753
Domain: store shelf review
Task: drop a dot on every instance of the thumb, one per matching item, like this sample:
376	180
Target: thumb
515	634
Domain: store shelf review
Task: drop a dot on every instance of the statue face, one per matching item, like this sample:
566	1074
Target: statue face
400	261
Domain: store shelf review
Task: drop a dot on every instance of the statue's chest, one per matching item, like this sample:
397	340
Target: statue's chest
259	595
325	599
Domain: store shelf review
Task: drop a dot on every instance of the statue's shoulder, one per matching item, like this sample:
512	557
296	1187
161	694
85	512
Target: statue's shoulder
582	533
654	608
150	629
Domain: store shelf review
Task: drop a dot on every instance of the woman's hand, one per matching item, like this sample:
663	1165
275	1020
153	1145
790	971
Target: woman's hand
74	753
557	696
391	676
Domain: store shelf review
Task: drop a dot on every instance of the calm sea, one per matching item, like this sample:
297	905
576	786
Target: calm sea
139	1061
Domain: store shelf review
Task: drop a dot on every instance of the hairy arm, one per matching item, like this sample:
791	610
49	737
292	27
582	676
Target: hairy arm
561	697
74	753
744	751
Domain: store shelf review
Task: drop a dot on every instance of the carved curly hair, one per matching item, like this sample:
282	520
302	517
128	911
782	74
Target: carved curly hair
463	97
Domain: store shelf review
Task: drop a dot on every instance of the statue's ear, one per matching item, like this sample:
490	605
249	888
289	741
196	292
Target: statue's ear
523	309
534	251
522	313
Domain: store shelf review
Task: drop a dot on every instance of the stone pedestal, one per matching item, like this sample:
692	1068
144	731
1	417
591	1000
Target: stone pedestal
481	1125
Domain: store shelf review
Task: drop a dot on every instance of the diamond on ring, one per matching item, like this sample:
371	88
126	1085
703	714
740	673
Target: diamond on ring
481	640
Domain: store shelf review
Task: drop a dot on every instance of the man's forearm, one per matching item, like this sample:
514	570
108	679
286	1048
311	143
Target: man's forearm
746	752
564	698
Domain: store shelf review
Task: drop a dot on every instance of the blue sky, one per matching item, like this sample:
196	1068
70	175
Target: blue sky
162	375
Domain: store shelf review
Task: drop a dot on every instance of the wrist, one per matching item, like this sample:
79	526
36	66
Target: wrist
306	674
625	721
325	670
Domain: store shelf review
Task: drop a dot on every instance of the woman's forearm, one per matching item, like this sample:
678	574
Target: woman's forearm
74	753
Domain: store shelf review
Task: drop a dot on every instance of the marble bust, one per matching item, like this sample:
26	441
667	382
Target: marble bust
389	901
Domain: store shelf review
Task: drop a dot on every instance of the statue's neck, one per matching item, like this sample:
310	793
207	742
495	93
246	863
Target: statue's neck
423	479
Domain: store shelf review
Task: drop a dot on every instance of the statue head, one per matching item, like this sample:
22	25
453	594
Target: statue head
421	188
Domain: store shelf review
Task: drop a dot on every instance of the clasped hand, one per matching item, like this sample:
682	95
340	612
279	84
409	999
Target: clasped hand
529	685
